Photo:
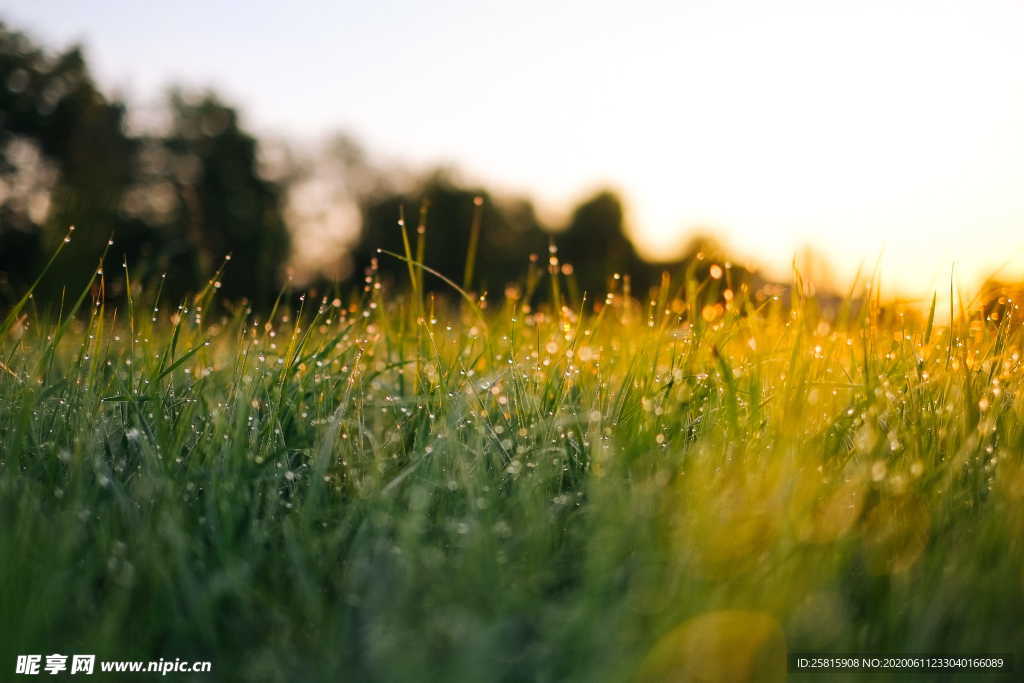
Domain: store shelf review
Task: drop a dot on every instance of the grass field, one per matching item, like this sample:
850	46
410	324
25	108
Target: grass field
393	486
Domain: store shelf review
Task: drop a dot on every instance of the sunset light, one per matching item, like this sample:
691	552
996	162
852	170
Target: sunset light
392	341
863	129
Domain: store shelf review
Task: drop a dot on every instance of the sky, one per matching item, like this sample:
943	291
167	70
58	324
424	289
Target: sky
884	133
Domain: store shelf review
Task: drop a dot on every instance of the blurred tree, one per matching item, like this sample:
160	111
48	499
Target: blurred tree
507	234
591	248
326	193
595	244
998	299
178	201
709	265
27	176
218	201
702	252
65	158
175	202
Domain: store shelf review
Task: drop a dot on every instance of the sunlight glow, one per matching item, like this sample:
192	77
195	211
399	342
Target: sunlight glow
867	130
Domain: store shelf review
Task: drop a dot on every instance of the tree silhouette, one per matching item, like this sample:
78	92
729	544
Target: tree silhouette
222	204
507	234
180	200
65	158
176	202
596	246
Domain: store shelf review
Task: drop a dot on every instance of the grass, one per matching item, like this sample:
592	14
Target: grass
400	487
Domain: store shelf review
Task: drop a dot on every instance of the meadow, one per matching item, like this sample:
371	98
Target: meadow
392	484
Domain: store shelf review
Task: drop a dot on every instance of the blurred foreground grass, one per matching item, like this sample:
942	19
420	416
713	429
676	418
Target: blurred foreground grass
403	488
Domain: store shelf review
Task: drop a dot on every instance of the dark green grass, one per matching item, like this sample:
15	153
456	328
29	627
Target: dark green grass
399	488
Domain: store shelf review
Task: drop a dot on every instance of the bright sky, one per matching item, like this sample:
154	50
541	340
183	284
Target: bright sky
892	129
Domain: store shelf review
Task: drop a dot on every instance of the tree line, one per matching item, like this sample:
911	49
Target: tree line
177	201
